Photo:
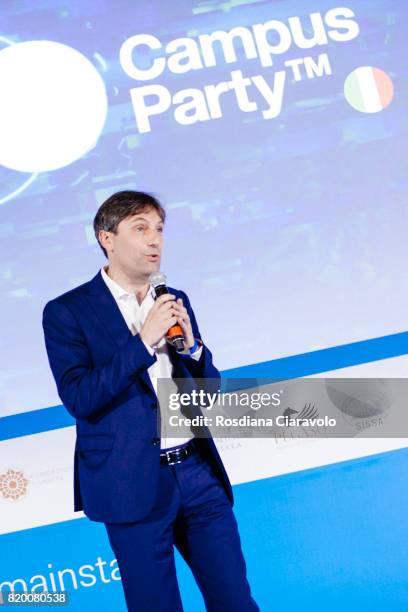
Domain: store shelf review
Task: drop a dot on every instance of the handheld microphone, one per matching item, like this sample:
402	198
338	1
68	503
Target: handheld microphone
175	333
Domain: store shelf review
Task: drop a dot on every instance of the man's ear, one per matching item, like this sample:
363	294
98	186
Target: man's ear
105	239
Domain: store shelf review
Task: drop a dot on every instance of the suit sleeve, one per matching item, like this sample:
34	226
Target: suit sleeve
204	367
84	389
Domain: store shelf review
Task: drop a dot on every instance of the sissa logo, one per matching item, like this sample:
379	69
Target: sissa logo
263	42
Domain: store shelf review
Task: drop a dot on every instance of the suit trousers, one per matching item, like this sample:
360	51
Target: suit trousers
192	512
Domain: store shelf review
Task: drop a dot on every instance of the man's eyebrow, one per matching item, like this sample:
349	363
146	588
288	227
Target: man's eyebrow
134	219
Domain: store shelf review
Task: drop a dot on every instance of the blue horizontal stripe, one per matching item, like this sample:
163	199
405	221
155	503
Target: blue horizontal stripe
295	366
325	360
35	421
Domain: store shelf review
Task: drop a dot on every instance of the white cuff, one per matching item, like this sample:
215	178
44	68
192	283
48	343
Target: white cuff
197	354
149	348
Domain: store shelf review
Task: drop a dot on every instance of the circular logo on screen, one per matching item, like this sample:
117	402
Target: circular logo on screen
53	106
368	89
13	485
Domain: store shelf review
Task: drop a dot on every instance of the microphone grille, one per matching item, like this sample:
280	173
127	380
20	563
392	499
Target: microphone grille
157	278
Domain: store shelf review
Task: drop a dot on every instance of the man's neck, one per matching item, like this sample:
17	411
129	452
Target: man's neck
137	286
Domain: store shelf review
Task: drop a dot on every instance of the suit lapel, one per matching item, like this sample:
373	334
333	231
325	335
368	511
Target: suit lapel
108	312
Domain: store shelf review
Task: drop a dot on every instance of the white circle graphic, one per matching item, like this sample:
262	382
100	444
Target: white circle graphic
53	106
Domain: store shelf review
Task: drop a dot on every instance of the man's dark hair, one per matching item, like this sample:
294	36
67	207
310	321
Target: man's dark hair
121	205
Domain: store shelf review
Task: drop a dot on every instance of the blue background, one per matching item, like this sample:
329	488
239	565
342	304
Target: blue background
296	235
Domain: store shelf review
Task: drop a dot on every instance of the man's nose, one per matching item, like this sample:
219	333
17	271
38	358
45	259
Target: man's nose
154	238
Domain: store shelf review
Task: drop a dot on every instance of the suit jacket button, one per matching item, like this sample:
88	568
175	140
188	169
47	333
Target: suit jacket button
156	441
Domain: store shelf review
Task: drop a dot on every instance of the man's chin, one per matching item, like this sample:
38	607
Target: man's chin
153	266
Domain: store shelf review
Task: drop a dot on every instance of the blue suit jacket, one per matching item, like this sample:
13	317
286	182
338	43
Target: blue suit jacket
100	370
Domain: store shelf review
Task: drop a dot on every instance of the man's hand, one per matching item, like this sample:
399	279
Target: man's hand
165	313
183	320
161	316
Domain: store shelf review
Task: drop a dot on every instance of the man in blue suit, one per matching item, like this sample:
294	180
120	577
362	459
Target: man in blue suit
106	344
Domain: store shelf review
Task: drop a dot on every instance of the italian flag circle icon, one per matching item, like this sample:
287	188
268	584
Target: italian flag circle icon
368	89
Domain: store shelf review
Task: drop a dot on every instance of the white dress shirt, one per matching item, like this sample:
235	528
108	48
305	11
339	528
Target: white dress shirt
135	315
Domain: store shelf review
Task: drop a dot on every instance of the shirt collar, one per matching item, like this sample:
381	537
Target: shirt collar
118	291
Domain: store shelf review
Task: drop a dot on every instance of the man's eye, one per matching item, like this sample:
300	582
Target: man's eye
139	227
159	229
